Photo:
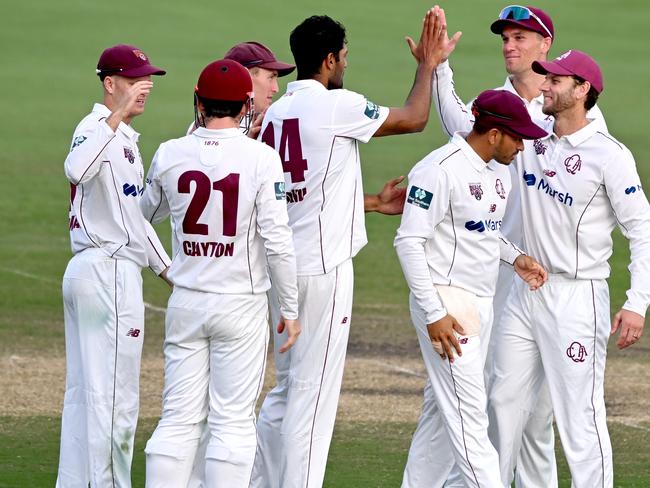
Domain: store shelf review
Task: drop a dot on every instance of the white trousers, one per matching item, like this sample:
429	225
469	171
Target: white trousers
104	329
296	421
453	414
558	333
536	467
215	354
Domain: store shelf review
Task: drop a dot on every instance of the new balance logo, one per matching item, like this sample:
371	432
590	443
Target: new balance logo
133	333
345	320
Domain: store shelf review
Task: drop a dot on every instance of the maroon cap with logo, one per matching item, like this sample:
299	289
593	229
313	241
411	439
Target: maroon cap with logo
253	54
529	18
573	63
127	61
225	80
505	111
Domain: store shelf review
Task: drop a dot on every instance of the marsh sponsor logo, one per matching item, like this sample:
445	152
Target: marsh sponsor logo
131	190
483	225
632	189
564	198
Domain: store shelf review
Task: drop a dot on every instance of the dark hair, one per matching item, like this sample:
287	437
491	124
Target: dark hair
313	40
220	108
592	94
480	128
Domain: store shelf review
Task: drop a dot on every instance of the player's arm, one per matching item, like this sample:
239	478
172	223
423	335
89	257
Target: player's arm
389	201
273	227
427	204
432	48
632	210
154	204
86	151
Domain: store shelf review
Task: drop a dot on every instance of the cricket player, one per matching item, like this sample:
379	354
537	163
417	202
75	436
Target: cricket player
102	286
527	34
225	194
576	185
449	246
316	128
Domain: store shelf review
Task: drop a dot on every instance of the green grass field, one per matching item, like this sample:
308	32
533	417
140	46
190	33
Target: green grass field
49	54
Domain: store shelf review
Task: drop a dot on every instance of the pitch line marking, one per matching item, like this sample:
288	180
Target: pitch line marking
44	279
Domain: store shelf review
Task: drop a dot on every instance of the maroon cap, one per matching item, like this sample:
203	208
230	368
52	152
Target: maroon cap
127	61
252	54
573	62
530	18
505	111
225	80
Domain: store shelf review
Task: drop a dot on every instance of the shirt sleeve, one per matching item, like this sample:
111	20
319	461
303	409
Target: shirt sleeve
632	211
427	203
154	204
273	226
85	157
508	251
156	254
357	117
454	115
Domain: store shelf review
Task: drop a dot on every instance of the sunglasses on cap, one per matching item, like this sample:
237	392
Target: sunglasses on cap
517	12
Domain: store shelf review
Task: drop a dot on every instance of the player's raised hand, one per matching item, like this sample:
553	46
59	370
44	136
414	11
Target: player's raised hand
530	271
129	102
256	126
434	46
293	331
389	201
631	326
443	332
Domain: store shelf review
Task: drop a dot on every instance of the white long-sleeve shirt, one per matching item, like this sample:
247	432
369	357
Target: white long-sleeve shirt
316	131
450	229
574	190
225	194
105	173
456	116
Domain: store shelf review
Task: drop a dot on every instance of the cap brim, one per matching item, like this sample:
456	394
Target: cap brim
145	70
283	69
528	131
544	67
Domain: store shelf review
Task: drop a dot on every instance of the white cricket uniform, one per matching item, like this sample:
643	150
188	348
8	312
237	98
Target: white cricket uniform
225	194
575	190
450	235
316	132
536	463
103	306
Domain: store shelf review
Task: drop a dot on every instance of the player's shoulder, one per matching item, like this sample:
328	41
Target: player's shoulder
439	161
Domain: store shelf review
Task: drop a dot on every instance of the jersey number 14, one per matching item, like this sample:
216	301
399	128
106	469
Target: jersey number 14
296	165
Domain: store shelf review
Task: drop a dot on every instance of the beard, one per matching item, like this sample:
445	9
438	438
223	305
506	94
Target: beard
334	85
562	102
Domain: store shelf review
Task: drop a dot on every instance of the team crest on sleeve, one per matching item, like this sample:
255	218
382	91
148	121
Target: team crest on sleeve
419	197
476	190
279	190
372	110
501	191
78	141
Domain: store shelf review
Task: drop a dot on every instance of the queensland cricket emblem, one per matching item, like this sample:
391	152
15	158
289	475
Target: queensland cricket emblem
140	54
501	191
540	147
576	352
475	190
573	164
128	154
